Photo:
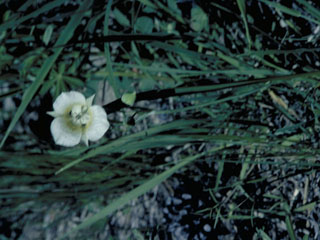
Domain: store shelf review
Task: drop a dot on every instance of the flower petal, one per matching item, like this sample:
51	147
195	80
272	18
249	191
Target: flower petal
84	139
90	100
53	114
64	135
66	99
99	124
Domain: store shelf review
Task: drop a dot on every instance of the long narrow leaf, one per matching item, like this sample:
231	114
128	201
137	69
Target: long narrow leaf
113	82
242	7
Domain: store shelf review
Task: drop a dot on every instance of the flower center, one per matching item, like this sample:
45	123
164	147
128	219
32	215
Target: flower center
80	115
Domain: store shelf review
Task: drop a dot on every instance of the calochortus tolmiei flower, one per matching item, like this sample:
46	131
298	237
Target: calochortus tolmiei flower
76	119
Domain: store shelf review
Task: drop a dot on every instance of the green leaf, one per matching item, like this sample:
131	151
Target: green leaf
242	7
144	24
199	19
121	18
282	8
305	237
263	235
129	98
172	4
311	10
220	171
293	12
290	228
47	34
306	207
112	80
148	3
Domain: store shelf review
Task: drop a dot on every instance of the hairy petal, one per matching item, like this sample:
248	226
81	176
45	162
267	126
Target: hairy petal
99	124
67	99
63	135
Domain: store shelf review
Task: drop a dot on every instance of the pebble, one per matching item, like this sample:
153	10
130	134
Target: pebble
177	201
207	228
186	196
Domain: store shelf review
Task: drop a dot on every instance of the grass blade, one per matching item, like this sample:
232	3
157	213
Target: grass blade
290	228
113	82
242	7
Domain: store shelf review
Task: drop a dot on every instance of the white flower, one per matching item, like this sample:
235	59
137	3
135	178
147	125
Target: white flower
75	120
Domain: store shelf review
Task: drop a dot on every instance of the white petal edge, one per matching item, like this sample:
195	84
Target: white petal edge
53	114
84	139
90	100
62	134
99	125
66	99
